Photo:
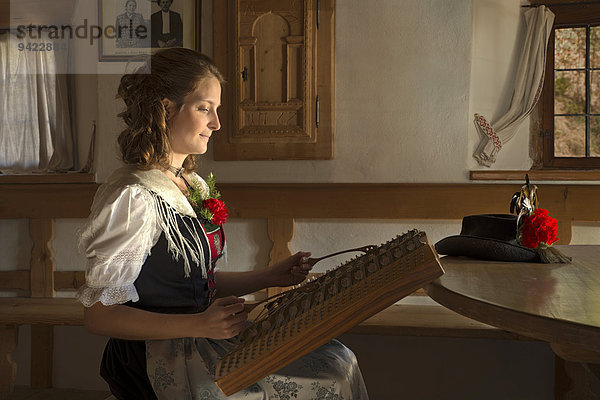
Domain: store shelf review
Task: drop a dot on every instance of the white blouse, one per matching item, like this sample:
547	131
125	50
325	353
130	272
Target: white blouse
129	213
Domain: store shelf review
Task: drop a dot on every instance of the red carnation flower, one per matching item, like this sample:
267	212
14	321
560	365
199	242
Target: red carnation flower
217	209
539	228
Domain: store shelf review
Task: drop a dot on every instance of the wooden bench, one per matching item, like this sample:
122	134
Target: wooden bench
405	320
280	205
399	319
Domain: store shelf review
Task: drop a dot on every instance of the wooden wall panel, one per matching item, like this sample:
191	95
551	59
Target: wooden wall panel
281	233
280	204
8	366
41	267
42	286
46	200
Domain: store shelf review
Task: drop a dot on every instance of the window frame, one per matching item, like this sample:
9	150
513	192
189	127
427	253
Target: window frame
567	15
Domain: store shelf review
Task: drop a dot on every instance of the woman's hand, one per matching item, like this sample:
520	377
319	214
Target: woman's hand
223	319
287	272
290	271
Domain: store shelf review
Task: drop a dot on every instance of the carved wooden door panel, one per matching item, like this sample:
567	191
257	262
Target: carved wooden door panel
277	56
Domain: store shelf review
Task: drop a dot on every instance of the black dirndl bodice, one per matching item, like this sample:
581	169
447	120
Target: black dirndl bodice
162	287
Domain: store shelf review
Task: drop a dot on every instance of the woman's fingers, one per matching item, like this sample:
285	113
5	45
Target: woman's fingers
237	318
233	309
236	329
230	305
227	317
235	323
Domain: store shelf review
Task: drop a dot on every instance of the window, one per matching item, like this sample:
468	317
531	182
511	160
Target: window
35	130
570	102
576	83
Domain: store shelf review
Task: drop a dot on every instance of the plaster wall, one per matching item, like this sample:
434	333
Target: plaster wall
399	107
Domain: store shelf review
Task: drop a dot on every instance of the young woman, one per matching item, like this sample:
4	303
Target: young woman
152	243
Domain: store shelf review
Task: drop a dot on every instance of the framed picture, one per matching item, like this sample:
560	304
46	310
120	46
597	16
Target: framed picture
132	28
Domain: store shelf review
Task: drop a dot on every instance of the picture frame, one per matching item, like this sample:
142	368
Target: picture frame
133	28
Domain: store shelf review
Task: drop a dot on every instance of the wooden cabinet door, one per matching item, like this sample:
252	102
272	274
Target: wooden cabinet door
278	59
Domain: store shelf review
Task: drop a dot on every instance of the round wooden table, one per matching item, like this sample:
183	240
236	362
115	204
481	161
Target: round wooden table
556	303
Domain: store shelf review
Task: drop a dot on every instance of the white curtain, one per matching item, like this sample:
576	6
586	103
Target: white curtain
35	130
528	82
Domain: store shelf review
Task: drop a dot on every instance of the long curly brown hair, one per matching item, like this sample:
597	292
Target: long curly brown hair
171	73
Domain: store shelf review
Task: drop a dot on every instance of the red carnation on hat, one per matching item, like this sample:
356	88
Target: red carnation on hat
539	229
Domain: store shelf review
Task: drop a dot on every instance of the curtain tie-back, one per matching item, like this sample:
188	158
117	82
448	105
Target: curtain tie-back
485	127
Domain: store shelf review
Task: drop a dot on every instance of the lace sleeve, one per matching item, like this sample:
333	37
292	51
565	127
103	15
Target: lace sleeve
116	240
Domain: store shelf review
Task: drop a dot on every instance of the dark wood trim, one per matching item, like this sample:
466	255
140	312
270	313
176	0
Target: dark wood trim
575	14
402	319
19	280
14	280
306	200
567	14
574	162
41	283
547	105
68	280
198	26
42	355
401	201
286	202
49	178
46	200
280	204
535	175
9	335
536	139
561	2
45	311
281	233
41	264
4	14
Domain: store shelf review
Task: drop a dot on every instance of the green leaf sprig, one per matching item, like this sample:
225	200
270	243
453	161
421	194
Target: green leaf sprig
197	196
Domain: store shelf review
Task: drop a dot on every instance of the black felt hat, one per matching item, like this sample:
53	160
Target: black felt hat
487	237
